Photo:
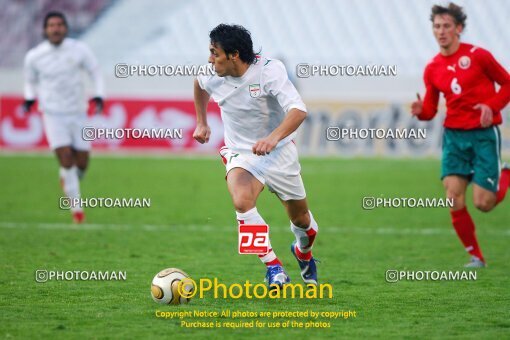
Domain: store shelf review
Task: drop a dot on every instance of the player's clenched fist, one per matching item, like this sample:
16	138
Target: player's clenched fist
202	133
417	106
264	146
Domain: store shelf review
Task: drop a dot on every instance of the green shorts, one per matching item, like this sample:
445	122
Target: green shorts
474	154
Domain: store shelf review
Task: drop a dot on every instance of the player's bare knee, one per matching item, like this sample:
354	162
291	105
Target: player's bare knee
82	162
65	157
484	204
242	204
301	220
458	199
81	159
82	166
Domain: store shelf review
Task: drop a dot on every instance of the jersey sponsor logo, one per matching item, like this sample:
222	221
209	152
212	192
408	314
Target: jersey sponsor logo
254	90
253	239
464	62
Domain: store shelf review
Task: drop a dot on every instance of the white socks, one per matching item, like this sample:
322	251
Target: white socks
305	237
81	173
252	216
71	184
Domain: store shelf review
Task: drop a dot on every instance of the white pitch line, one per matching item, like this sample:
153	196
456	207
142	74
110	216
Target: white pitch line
156	155
206	228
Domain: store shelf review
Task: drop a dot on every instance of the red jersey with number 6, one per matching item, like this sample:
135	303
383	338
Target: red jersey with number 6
466	78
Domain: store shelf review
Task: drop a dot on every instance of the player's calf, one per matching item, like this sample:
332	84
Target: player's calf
70	182
71	187
82	162
504	183
305	235
275	274
65	156
302	248
252	216
465	229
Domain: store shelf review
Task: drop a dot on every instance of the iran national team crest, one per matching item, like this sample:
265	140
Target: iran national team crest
464	62
254	90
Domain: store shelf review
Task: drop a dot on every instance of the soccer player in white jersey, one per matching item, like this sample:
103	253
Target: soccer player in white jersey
53	75
261	111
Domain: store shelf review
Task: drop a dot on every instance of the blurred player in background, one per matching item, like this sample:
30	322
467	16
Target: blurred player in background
466	75
261	111
53	75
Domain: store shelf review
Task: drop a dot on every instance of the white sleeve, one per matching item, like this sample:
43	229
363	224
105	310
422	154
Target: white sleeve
92	67
277	83
203	82
30	78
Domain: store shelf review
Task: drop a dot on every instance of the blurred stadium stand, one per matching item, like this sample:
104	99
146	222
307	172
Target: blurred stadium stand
390	32
23	20
328	31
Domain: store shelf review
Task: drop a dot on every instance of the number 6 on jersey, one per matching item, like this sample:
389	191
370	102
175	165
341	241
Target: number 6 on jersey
455	86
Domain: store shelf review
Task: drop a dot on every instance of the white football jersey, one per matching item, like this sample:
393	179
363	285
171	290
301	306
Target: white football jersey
253	105
54	74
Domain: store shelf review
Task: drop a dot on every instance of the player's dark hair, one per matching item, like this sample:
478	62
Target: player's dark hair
54	14
232	38
455	11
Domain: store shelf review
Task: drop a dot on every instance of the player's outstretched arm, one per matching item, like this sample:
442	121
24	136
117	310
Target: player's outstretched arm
292	121
202	131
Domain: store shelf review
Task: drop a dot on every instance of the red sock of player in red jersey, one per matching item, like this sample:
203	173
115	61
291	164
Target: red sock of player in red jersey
253	217
504	182
465	229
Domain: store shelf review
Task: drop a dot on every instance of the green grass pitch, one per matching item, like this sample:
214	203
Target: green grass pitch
191	225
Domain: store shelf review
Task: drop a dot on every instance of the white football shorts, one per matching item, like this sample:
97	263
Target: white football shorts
66	130
279	171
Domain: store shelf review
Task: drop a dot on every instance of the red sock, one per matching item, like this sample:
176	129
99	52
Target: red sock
270	259
504	182
273	263
465	229
302	256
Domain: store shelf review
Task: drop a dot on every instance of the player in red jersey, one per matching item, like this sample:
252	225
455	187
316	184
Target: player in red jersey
466	75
